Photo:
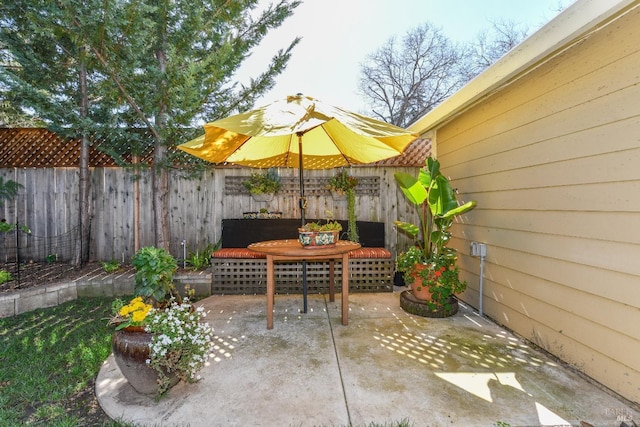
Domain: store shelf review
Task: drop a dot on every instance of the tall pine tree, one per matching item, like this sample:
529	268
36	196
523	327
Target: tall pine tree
103	69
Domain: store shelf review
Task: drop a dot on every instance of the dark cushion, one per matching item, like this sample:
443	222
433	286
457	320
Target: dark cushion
240	233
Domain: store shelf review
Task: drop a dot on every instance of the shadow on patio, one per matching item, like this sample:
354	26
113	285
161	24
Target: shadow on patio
385	366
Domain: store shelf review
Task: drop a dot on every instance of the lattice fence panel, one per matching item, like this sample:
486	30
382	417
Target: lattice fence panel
248	276
313	186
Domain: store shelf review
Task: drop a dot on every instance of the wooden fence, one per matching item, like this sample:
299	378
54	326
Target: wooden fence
49	203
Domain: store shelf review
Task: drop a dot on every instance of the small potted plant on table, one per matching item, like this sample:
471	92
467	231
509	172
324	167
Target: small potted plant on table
429	266
319	235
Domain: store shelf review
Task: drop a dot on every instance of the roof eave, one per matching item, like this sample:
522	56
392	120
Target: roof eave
569	27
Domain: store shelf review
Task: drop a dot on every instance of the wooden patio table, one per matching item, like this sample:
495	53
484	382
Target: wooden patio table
292	250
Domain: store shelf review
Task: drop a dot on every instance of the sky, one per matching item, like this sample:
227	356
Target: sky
337	36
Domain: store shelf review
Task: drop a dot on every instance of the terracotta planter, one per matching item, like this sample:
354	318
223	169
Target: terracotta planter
131	350
419	290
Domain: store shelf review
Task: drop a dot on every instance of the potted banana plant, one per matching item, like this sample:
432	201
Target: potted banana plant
429	267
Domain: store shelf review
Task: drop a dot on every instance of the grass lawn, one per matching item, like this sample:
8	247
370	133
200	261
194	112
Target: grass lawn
49	360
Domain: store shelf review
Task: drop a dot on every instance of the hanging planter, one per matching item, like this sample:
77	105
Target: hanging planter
338	196
262	197
263	186
340	184
342	187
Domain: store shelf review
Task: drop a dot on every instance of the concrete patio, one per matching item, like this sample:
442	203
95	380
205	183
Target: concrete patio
384	367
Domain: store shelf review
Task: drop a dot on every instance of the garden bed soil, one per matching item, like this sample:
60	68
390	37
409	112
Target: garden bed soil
35	274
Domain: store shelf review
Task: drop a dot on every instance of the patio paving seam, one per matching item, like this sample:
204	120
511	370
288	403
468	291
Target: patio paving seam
335	352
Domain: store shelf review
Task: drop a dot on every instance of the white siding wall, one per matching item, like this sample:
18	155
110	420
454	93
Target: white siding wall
554	163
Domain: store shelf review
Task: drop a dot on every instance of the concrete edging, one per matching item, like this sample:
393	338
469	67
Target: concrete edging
95	284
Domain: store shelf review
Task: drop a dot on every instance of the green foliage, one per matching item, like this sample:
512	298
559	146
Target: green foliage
68	344
111	266
318	226
352	232
154	274
11	117
407	259
268	182
180	342
8	190
162	66
5	276
6	227
341	182
443	281
402	423
170	64
51	258
329	225
436	205
201	259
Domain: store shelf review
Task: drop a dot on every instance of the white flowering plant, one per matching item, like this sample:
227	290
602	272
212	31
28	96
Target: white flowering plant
180	343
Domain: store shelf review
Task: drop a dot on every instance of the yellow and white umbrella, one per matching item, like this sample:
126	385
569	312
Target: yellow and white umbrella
298	132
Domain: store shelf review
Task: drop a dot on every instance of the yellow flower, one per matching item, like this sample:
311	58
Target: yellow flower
139	316
137	308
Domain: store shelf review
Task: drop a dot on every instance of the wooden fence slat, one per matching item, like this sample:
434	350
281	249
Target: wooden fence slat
49	203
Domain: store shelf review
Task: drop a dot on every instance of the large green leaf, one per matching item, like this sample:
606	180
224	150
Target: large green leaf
411	187
411	229
458	210
433	166
425	178
442	197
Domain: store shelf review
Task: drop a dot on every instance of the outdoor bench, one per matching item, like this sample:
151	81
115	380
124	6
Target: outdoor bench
238	270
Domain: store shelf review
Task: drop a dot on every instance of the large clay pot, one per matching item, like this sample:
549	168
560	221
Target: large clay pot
419	290
131	350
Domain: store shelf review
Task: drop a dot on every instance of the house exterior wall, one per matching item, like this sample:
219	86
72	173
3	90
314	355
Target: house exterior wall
553	160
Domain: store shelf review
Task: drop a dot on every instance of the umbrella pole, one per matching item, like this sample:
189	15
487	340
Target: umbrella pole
303	207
